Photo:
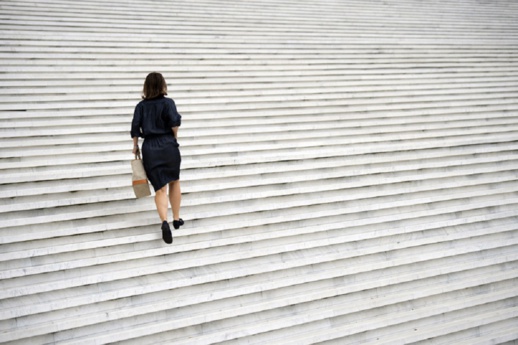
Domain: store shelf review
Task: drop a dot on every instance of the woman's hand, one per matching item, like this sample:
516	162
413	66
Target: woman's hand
135	145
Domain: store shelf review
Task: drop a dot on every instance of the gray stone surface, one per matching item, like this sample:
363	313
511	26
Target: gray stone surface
349	173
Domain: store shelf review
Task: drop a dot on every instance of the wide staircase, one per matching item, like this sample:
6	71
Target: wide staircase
349	174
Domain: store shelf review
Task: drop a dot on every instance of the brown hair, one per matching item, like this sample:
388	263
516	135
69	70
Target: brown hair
154	86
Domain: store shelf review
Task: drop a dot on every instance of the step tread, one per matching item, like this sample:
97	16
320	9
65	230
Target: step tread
281	299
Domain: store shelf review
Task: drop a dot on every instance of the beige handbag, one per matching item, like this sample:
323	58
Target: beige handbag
140	182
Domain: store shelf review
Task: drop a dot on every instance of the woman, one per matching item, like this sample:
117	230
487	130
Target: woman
157	120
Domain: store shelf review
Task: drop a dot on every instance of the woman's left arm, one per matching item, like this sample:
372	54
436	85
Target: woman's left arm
174	118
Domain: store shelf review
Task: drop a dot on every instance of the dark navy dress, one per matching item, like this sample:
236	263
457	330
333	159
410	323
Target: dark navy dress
153	120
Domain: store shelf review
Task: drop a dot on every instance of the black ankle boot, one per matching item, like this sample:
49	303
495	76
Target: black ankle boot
166	233
178	223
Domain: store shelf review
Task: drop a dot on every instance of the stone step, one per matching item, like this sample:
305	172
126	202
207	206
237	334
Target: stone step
372	35
497	332
208	43
91	12
232	112
267	75
91	190
452	321
285	120
303	6
319	309
282	301
232	154
109	273
246	83
297	192
194	132
120	123
305	220
349	174
366	269
460	153
360	54
311	217
264	67
323	293
95	59
128	254
199	231
271	96
70	260
304	30
282	137
313	335
210	92
262	174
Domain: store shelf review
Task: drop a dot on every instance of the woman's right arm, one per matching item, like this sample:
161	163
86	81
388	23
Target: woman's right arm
175	132
135	145
135	128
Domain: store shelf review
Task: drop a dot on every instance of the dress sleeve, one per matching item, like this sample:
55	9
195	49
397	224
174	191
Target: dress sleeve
137	122
174	119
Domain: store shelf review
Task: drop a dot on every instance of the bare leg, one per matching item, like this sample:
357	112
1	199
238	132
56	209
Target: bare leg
175	197
162	203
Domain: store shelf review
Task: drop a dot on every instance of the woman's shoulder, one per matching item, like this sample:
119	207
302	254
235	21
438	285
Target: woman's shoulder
138	106
169	100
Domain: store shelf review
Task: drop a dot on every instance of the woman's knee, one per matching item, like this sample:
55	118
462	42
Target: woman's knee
162	190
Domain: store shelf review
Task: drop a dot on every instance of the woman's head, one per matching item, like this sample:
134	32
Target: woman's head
154	86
